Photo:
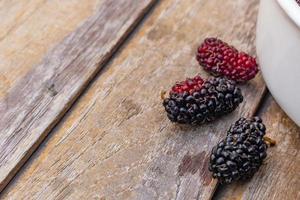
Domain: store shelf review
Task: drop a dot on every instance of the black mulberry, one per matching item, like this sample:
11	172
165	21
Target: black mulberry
195	101
241	153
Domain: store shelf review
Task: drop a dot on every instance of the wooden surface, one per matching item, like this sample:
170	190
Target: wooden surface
117	143
31	106
279	177
28	29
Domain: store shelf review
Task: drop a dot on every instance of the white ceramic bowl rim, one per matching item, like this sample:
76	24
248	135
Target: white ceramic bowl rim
292	9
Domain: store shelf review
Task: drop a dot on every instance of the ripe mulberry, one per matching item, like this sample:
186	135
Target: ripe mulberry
241	153
221	59
196	101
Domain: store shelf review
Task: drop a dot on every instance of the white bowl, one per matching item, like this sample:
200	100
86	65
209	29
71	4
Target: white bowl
278	51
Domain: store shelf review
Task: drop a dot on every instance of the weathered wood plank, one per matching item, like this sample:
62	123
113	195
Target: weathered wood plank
28	29
279	178
32	107
117	143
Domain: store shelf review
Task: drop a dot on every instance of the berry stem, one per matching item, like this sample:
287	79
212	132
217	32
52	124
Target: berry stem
163	95
269	141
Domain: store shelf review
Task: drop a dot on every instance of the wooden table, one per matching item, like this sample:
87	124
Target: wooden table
81	116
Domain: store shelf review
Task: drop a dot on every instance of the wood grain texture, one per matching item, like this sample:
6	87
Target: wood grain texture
117	143
41	97
28	29
279	177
